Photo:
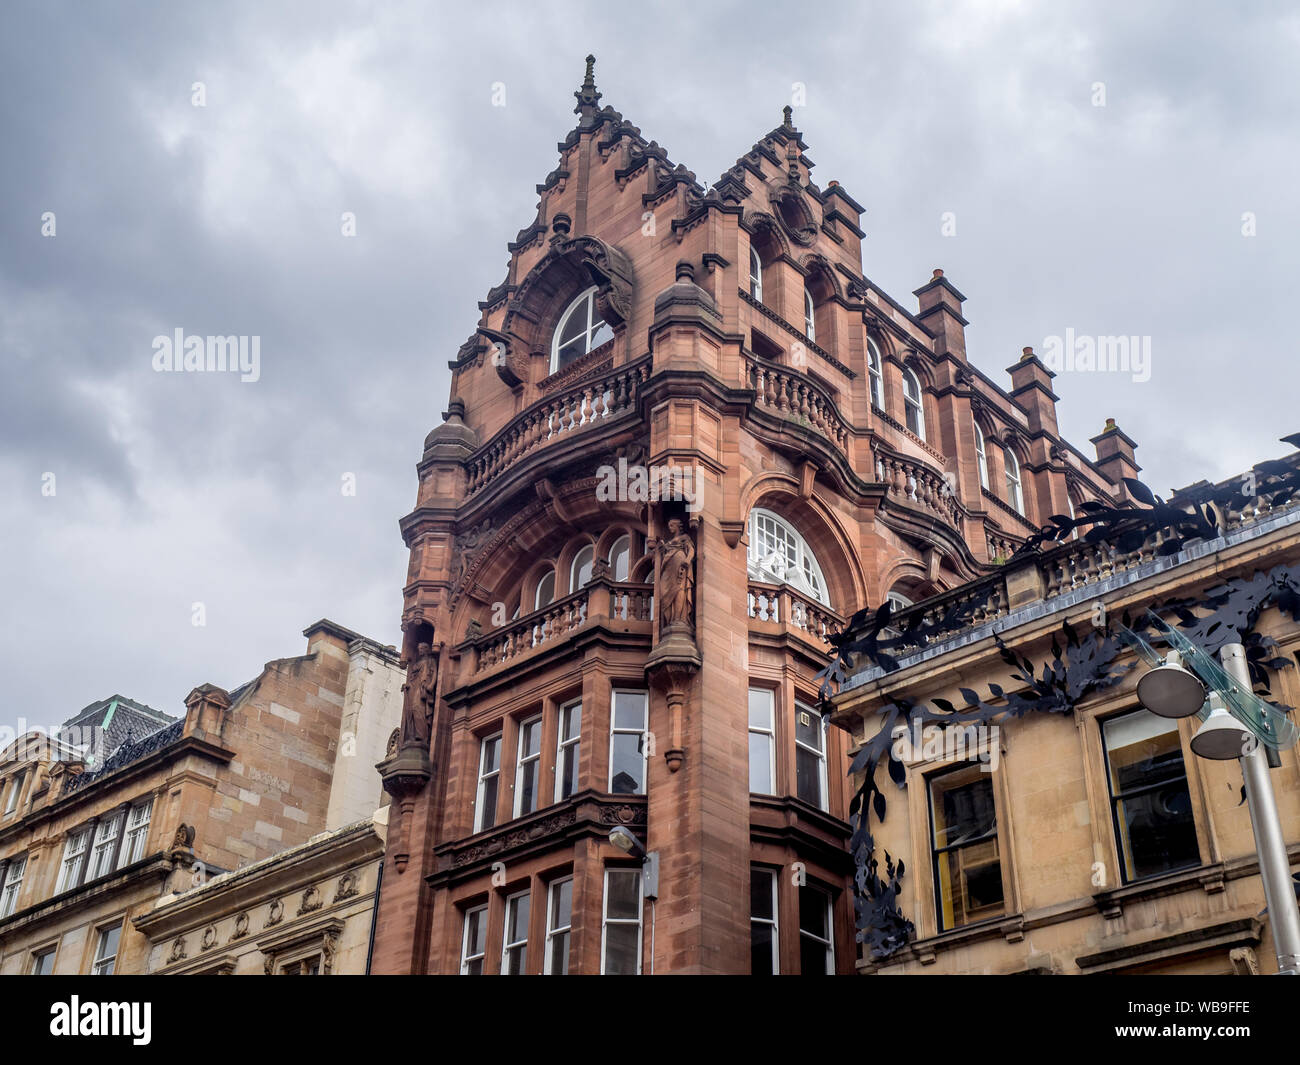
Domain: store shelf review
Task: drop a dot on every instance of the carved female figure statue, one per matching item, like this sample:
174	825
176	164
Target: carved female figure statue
417	703
676	578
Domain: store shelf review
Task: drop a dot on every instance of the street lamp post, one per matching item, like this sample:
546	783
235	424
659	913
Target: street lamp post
1270	845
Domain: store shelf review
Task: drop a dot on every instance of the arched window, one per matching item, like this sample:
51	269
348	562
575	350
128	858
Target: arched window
875	375
809	317
900	601
1014	495
913	409
580	571
981	456
778	553
755	274
620	558
545	595
581	330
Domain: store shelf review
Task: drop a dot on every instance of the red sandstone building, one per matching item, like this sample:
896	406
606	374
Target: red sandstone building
687	438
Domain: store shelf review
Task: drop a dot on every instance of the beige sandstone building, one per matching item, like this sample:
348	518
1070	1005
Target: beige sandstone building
126	813
1090	839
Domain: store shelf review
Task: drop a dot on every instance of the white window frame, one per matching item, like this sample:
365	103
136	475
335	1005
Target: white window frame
823	789
913	401
829	943
770	733
15	870
809	316
804	573
606	920
584	302
507	944
102	859
479	807
537	592
613	558
774	922
43	952
875	375
642	731
522	761
1015	493
137	832
981	457
562	747
74	850
755	274
100	962
575	583
465	956
552	890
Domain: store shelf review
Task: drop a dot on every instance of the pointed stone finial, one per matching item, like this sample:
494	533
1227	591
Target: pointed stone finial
587	96
788	112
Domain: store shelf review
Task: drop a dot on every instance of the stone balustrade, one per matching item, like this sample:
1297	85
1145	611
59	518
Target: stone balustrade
795	396
916	483
585	404
779	603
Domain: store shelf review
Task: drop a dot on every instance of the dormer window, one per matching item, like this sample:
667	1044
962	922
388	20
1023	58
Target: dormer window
777	553
581	330
755	274
913	410
809	317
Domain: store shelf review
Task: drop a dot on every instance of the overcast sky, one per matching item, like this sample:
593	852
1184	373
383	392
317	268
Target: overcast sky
177	489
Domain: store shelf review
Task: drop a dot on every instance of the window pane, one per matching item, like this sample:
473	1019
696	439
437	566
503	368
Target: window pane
760	763
1153	808
527	788
620	558
571	722
582	567
492	754
968	874
629	710
812	912
488	808
559	955
762	949
545	590
760	709
621	942
623	895
530	738
760	894
43	964
568	771
808	776
562	904
808	727
812	957
575	325
517	919
626	763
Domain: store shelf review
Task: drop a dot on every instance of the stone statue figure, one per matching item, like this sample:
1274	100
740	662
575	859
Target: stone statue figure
676	578
417	701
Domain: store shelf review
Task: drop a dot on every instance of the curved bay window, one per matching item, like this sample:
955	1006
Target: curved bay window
1150	805
581	330
778	553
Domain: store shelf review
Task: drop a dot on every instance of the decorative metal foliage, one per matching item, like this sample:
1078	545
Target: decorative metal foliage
1080	665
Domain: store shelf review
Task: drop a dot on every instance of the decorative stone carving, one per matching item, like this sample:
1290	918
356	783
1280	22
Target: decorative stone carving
311	901
347	887
276	915
329	948
178	950
184	837
418	701
209	939
676	595
241	927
